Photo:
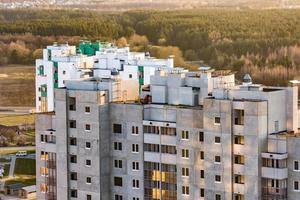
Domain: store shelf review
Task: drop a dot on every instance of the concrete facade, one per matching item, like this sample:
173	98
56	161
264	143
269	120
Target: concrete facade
61	63
192	135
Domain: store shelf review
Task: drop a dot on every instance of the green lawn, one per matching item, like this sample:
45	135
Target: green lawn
3	160
25	166
29	180
6	170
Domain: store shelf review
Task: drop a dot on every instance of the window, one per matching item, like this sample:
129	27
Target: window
240	179
72	123
135	198
218	159
73	158
185	153
87	109
42	138
185	190
72	103
217	140
88	180
151	129
87	145
238	117
151	147
44	155
296	165
44	188
185	171
202	155
239	197
184	135
118	146
218	197
88	197
117	128
217	120
168	149
201	137
73	141
168	131
135	148
88	162
296	185
239	139
201	173
202	193
276	126
118	197
218	178
135	166
130	75
135	130
73	193
73	176
135	183
64	72
118	163
87	127
118	181
239	159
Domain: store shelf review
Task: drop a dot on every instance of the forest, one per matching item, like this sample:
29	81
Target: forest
265	43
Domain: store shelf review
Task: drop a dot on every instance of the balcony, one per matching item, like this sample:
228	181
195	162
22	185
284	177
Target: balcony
51	164
275	193
169	140
239	169
274	173
151	157
168	158
151	138
239	149
238	129
239	188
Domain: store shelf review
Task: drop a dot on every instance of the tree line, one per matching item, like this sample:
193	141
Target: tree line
240	40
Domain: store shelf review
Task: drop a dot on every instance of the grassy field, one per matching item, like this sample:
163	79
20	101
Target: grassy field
13	151
25	166
26	180
2	160
6	170
12	120
17	85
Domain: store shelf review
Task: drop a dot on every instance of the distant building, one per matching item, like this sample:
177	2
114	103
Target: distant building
63	62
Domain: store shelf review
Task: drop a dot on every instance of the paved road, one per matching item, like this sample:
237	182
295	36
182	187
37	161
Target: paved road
12	166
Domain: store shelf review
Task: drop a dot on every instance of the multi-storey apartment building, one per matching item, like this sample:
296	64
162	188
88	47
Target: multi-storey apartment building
189	135
65	62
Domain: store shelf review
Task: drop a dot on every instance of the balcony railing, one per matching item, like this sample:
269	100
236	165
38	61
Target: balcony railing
276	193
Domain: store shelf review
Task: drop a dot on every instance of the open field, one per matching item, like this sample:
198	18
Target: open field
123	5
14	150
17	86
25	179
25	166
13	120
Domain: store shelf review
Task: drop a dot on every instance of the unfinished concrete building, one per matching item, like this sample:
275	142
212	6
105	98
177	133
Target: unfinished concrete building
188	135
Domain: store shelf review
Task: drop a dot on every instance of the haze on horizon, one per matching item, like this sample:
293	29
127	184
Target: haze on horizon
124	5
